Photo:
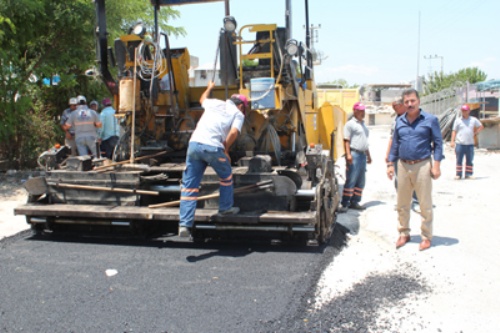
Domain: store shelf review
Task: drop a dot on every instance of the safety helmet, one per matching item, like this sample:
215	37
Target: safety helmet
242	98
73	101
106	101
465	107
358	106
81	98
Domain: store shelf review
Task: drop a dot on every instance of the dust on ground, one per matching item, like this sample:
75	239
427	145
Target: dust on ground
12	194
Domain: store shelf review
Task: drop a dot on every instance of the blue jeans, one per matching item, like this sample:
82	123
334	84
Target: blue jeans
355	179
468	152
84	144
199	156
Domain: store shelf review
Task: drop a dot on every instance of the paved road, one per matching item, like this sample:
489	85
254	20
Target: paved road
165	285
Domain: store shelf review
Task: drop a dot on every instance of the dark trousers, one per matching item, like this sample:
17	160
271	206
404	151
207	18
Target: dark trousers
108	146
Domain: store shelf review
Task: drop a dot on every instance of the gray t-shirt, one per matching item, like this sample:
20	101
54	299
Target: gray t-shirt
357	133
465	130
83	121
64	119
216	122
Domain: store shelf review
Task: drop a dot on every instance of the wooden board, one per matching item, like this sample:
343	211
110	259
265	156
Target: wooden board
159	214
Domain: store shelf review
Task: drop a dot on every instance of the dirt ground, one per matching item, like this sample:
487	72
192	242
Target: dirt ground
12	194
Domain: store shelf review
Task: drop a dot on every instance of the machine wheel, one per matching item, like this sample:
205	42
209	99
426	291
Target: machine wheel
37	229
325	228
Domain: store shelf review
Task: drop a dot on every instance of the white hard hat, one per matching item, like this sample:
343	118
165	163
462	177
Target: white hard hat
73	101
81	98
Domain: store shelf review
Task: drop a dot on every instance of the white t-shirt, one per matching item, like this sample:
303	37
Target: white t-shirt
465	130
216	122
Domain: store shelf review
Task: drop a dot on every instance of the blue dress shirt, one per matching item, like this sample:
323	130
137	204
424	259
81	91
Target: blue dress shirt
418	140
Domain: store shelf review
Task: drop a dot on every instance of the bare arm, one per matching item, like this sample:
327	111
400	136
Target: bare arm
348	156
452	140
207	91
231	137
388	150
477	130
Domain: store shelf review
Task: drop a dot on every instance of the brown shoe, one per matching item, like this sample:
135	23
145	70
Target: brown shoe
402	240
425	244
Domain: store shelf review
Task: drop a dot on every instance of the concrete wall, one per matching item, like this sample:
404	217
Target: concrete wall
376	119
489	138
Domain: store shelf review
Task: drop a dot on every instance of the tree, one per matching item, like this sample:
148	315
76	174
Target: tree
439	81
42	38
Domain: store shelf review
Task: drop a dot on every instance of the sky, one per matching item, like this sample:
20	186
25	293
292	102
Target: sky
365	41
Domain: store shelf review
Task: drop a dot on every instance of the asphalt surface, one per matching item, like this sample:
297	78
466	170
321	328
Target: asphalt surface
66	284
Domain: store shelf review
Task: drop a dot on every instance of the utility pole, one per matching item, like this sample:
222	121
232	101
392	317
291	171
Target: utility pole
431	57
417	81
313	38
314	34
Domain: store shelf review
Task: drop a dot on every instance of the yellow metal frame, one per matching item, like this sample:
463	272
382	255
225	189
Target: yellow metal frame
268	55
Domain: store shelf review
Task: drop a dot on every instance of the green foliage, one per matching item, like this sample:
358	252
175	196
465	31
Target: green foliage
121	15
41	38
250	62
439	81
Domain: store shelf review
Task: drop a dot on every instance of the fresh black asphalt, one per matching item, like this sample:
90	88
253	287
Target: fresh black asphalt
59	284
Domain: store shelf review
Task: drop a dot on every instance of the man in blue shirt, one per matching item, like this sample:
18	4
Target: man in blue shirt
416	139
110	131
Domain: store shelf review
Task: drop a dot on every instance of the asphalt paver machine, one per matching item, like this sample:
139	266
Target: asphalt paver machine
283	161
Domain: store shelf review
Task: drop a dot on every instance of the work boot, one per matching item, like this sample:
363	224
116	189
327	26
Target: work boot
343	209
184	232
470	177
356	206
230	211
458	177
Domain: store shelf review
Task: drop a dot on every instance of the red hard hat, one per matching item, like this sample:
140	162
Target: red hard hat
465	107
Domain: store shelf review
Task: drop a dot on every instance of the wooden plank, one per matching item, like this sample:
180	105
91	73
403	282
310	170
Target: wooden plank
160	214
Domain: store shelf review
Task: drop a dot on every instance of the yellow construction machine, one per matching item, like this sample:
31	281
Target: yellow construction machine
283	160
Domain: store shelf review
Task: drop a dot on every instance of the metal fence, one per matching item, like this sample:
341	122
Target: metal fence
440	102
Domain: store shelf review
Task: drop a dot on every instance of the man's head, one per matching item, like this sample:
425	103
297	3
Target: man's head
106	101
81	100
465	111
398	106
411	100
94	105
359	110
240	101
72	103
